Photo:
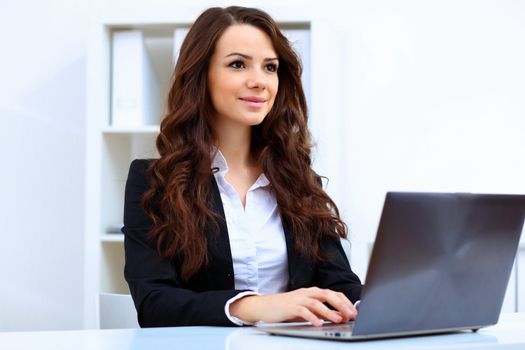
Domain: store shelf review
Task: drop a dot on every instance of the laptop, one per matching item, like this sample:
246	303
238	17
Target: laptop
441	263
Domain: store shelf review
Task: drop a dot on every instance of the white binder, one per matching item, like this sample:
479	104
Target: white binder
134	89
300	41
179	34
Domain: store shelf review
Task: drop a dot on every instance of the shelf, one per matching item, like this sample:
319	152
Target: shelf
112	237
146	129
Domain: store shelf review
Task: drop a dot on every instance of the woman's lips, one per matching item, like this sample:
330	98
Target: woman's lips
253	102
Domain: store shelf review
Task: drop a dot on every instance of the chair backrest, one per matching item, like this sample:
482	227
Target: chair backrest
116	311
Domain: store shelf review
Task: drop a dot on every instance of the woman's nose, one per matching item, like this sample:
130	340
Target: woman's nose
256	80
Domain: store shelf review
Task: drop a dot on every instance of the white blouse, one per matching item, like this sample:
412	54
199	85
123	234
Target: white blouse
257	242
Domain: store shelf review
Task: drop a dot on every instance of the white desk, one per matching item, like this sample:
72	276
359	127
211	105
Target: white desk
509	333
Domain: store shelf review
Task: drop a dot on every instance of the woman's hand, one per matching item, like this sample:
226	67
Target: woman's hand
302	304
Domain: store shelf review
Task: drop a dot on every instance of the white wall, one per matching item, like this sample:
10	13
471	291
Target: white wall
435	101
412	95
42	108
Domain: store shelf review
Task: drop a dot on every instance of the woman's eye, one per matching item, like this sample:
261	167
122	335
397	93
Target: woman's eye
237	64
271	68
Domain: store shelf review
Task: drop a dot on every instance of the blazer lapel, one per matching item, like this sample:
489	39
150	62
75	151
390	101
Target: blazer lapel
300	269
220	266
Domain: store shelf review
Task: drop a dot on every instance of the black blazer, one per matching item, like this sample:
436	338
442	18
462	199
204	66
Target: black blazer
163	299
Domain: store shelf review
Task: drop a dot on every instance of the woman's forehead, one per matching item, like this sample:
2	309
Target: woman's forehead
246	39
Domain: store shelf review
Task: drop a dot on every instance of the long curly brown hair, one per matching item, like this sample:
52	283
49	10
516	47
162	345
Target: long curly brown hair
180	181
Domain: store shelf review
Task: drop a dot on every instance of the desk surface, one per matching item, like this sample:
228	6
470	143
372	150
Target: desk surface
509	333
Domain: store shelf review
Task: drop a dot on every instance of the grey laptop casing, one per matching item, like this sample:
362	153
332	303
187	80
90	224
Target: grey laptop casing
440	262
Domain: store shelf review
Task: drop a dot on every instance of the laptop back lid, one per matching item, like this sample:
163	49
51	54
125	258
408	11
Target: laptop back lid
441	261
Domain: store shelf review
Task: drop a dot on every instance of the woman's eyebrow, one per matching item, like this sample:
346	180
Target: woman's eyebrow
250	57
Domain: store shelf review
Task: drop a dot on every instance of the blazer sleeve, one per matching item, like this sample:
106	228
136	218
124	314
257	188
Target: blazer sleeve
157	290
335	273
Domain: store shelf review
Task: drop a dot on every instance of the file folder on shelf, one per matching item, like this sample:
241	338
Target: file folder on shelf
134	89
178	37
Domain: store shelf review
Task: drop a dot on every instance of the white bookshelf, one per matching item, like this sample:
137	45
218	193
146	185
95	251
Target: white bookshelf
111	238
143	130
109	151
110	148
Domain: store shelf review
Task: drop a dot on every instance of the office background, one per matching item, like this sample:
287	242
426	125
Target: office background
423	95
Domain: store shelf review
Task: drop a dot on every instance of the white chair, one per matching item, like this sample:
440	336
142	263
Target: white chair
116	311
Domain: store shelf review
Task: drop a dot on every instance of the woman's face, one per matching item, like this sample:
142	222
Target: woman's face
242	76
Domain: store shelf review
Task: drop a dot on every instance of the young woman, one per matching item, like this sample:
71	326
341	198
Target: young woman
231	225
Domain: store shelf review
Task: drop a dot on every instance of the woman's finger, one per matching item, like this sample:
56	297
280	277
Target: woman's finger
322	311
337	300
353	309
309	316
